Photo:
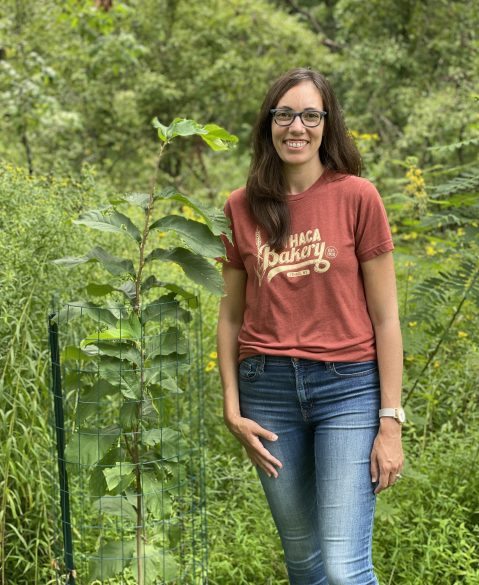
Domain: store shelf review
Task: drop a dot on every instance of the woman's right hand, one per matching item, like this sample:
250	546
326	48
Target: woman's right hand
247	432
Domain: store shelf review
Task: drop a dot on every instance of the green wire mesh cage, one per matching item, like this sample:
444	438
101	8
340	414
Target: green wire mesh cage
128	418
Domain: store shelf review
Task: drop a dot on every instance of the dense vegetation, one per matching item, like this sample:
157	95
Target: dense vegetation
80	82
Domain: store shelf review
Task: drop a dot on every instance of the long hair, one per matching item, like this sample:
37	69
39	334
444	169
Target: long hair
266	189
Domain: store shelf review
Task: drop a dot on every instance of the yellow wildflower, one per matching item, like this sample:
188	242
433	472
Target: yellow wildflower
213	355
210	366
462	334
412	323
416	187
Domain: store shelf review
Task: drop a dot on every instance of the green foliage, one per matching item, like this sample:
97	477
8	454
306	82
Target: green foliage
430	519
34	210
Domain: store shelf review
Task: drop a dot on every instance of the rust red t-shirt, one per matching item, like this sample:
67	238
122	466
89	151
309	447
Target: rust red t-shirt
308	301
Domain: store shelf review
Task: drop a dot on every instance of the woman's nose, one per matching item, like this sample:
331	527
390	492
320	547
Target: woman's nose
297	125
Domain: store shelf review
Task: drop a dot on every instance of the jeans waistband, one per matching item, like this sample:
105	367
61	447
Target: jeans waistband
288	360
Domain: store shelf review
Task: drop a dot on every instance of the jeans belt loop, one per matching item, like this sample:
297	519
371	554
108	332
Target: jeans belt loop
261	363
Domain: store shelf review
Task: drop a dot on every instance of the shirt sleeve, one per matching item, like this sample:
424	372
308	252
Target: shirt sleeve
373	233
233	256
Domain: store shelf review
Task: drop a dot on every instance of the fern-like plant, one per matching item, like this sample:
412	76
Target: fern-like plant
453	201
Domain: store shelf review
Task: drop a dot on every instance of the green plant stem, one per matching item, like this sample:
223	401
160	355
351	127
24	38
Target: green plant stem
134	449
146	229
139	514
444	335
406	292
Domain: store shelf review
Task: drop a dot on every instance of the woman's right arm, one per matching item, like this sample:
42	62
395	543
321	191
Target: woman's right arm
230	321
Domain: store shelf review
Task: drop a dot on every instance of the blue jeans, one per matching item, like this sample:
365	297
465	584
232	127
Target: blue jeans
326	417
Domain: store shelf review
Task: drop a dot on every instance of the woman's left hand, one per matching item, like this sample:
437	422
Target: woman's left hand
387	458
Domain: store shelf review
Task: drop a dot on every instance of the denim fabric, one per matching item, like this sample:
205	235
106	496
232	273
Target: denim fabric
326	417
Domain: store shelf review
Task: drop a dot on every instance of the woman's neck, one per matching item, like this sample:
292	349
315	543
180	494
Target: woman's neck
299	179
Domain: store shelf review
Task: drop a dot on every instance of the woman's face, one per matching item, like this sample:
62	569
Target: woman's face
297	145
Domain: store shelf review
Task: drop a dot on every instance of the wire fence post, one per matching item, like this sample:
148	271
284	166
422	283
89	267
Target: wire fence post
60	442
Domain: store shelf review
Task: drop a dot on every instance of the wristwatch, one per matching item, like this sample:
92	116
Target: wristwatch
396	413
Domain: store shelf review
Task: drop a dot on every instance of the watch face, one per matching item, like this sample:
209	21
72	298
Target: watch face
401	415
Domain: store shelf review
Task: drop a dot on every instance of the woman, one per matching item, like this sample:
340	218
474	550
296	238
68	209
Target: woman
310	315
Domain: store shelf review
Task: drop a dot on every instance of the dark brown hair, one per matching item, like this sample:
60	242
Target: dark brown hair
266	189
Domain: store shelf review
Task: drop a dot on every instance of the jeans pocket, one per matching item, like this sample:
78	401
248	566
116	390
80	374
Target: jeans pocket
251	368
354	369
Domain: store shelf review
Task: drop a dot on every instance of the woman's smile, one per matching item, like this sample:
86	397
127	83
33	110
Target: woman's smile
296	144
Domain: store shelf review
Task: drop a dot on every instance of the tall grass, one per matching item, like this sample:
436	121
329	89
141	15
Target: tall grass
33	214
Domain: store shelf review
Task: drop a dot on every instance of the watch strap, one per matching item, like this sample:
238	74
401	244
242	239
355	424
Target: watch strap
388	412
396	413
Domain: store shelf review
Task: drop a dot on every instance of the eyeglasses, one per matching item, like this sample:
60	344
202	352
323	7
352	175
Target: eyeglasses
309	118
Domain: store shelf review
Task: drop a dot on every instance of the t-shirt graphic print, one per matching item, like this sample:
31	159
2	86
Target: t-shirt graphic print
305	252
308	300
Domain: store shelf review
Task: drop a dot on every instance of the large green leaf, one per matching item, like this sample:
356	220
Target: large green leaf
124	329
197	236
113	348
130	413
88	446
169	441
110	368
155	563
93	401
120	476
140	199
109	220
97	485
163	365
115	506
113	264
112	333
165	386
195	267
166	343
179	127
130	384
73	353
135	325
152	282
98	314
111	558
214	218
163	436
156	499
162	130
218	138
184	127
100	290
166	307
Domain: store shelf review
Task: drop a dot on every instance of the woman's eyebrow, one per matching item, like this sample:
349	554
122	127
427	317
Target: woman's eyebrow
315	108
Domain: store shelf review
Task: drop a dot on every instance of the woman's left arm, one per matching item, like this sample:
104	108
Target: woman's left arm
387	457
